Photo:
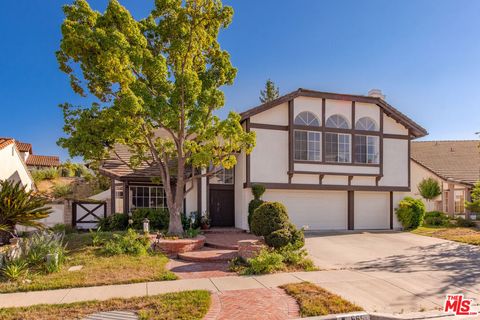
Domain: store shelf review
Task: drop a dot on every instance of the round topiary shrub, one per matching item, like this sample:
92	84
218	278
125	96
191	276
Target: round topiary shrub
269	217
257	191
297	237
410	212
279	238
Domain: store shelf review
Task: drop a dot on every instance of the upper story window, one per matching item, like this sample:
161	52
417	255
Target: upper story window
367	124
307	143
337	121
367	149
307	119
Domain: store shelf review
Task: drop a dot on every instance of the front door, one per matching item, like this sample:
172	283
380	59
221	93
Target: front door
221	206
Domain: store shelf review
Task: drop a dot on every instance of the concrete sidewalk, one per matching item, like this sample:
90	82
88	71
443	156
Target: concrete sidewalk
373	292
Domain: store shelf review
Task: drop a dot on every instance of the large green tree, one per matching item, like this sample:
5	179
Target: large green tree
157	86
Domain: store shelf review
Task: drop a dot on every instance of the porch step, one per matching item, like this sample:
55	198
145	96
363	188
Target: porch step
222	246
208	255
223	230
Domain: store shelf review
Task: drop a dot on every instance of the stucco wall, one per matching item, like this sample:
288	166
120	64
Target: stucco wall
277	116
395	163
269	159
191	197
12	167
418	173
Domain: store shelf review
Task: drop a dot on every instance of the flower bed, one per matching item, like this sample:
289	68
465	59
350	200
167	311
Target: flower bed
174	246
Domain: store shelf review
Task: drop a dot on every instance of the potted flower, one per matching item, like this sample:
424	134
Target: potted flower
205	221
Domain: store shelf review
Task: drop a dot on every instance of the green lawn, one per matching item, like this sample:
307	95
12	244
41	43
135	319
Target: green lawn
316	301
464	235
189	305
97	269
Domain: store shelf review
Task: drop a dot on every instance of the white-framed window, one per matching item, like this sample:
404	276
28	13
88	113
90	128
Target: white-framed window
148	197
223	176
337	121
337	147
459	201
367	124
306	118
367	149
307	143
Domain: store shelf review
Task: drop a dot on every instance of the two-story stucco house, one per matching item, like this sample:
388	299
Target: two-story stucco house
336	161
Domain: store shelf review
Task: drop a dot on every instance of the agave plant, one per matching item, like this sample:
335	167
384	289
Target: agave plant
19	207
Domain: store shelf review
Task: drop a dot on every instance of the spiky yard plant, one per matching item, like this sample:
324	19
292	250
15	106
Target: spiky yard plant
19	207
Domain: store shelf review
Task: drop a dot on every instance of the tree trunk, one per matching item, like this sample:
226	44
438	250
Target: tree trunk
175	227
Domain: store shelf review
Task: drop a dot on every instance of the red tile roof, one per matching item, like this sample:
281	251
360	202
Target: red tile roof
43	161
5	142
24	147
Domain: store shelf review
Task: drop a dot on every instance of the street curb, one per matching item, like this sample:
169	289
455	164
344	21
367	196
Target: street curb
380	316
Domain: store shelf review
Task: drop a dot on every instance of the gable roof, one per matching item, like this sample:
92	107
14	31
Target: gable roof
5	142
43	161
416	130
457	161
23	146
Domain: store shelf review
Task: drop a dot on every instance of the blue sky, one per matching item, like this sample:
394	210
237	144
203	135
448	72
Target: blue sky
424	55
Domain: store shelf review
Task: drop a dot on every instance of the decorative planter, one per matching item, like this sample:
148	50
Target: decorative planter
173	247
248	249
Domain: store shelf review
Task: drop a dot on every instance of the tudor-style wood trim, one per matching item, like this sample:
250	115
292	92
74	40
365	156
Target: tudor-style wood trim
324	107
266	126
390	111
350	180
247	158
354	164
126	197
320	178
112	196
391	210
380	142
303	186
306	128
326	173
351	210
352	143
396	136
199	195
291	151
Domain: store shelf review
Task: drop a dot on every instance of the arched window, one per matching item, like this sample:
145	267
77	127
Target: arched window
337	121
367	124
307	119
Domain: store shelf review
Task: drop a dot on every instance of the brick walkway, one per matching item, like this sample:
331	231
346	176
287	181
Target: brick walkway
264	304
197	270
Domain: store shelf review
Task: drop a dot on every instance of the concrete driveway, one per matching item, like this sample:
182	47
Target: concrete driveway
396	271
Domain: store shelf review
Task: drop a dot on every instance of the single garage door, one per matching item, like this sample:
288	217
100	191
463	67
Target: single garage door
319	210
372	210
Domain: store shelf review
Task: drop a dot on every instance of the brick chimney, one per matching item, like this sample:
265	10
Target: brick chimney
377	93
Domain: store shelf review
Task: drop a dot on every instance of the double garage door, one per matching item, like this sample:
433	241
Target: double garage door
328	210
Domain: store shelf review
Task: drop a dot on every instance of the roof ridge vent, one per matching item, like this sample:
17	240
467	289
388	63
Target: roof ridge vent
376	93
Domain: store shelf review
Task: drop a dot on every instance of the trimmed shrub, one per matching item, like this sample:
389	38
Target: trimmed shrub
279	238
257	190
429	188
62	190
269	217
464	223
297	237
410	212
158	218
436	219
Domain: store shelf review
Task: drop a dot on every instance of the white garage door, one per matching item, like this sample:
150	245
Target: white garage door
372	210
319	210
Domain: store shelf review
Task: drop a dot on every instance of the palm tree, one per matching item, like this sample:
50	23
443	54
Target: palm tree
18	206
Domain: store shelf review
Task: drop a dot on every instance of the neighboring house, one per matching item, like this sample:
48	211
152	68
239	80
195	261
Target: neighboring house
35	161
454	164
336	161
12	164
